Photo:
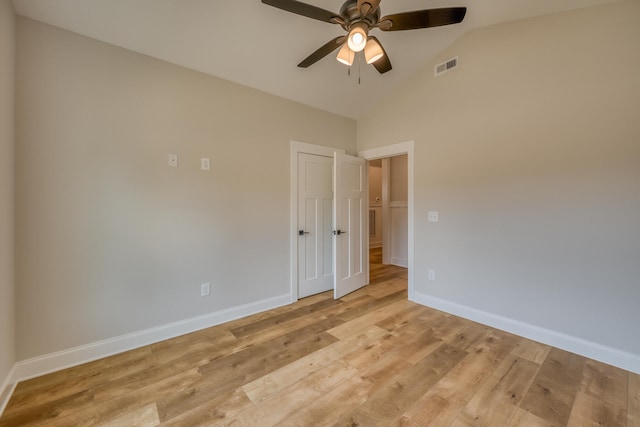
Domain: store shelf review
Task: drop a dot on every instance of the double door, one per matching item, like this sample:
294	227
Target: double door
332	224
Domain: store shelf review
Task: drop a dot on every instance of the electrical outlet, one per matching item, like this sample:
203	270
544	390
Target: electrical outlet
205	164
205	290
432	216
431	275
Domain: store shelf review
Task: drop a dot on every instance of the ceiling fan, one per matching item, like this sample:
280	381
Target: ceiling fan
358	17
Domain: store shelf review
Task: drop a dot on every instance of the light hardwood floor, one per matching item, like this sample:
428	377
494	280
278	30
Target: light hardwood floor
371	358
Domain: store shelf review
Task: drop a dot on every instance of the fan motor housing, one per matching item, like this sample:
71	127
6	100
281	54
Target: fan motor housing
350	13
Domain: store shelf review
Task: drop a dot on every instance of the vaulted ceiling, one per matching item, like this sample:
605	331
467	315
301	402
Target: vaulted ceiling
247	42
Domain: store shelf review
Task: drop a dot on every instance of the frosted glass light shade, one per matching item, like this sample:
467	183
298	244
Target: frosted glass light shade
373	51
346	55
357	37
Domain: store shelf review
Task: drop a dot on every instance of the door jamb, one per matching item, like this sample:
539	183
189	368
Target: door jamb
390	151
297	147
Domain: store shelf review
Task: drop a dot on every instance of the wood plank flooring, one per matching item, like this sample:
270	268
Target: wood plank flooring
371	358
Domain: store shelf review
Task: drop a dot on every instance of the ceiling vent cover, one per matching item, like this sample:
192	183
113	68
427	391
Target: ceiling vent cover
445	66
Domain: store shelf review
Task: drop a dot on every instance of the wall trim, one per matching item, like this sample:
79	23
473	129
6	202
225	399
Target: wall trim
6	390
590	349
41	365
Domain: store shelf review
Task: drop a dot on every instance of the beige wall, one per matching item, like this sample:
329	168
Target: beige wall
7	65
375	203
530	151
375	184
398	221
398	179
110	240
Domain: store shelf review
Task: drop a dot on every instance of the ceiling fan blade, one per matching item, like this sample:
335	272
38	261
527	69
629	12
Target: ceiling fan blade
423	19
383	64
303	9
324	50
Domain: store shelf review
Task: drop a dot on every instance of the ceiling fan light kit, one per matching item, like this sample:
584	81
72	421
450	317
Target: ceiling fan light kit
346	55
373	51
357	39
358	18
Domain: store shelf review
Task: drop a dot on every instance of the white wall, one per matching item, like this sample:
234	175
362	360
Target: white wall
7	66
110	240
530	151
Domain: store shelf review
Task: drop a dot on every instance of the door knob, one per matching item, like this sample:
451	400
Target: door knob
338	232
302	232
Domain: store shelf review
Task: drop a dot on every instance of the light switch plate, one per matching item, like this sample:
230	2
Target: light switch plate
173	160
205	290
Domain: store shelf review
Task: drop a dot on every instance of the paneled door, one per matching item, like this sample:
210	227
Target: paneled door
351	224
315	210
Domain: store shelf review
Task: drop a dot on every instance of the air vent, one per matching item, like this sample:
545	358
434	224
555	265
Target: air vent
446	66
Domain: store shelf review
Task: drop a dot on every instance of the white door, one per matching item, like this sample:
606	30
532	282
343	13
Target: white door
351	229
315	203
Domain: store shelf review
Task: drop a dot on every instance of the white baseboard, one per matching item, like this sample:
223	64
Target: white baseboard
6	389
592	350
52	362
400	262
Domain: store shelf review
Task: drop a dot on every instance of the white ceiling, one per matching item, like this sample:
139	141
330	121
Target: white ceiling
259	46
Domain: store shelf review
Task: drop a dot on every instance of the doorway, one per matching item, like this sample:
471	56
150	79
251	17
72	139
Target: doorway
388	152
388	209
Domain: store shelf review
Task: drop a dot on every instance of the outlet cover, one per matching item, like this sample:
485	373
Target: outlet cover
432	216
205	164
431	275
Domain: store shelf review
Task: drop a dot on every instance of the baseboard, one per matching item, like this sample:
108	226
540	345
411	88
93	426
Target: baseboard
52	362
400	262
592	350
6	389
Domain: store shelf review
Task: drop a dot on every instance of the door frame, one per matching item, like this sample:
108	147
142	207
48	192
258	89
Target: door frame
297	147
397	150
